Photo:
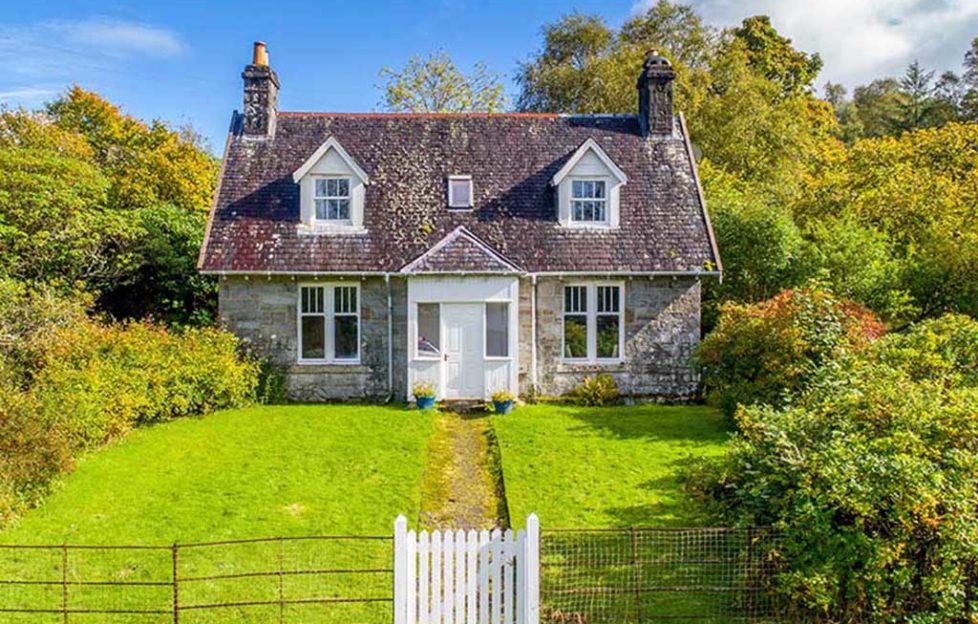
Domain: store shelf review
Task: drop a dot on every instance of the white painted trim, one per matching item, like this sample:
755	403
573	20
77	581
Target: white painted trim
589	145
329	322
592	322
451	198
331	143
460	231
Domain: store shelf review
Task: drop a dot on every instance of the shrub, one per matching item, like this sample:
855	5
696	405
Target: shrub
32	453
596	391
761	353
98	380
872	476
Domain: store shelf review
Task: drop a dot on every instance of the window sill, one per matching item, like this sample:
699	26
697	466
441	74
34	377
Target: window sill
585	365
319	228
594	227
323	366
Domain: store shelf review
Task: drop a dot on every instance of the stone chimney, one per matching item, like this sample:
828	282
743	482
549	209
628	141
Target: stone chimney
260	95
655	95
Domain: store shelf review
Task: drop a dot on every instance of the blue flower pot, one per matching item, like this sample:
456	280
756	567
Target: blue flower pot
503	407
425	402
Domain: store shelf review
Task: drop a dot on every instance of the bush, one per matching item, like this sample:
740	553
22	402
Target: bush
872	476
596	391
763	352
101	380
32	453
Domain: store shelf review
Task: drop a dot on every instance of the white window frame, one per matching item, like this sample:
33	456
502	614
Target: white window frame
418	354
452	203
330	314
592	314
485	331
605	201
316	198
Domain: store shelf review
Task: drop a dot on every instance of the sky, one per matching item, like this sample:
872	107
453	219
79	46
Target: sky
181	61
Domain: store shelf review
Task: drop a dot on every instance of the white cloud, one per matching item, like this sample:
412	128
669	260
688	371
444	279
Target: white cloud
860	40
117	36
35	56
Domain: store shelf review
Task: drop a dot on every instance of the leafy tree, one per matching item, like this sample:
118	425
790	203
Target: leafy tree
434	84
96	197
969	100
850	126
675	28
877	105
773	56
762	248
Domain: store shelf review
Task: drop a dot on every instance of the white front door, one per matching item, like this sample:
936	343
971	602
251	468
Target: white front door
464	366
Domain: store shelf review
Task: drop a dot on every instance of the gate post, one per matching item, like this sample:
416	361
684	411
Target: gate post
400	570
531	559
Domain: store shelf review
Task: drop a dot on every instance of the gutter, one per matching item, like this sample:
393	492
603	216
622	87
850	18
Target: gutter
533	333
390	340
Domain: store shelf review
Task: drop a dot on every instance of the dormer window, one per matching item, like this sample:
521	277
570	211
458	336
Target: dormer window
460	192
332	199
589	201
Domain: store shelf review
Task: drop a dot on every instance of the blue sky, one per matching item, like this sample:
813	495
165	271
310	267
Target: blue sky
181	60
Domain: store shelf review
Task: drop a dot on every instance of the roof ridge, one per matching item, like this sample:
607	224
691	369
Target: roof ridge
369	115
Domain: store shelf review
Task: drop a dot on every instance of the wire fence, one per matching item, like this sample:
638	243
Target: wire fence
614	576
290	579
658	575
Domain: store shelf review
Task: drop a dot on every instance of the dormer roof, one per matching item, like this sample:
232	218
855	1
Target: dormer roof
330	144
590	145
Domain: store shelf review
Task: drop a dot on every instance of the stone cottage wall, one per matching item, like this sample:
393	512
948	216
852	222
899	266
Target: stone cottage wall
662	330
262	312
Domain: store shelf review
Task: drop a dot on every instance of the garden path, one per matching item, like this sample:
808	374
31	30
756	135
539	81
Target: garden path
459	487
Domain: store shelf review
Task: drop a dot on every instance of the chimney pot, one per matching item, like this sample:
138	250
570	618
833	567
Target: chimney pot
260	56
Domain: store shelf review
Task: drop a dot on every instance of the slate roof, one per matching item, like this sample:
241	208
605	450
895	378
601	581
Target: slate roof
254	224
462	252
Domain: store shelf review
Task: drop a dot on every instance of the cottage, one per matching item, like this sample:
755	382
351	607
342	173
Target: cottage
365	252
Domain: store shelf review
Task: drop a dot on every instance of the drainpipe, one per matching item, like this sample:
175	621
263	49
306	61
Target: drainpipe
533	333
390	339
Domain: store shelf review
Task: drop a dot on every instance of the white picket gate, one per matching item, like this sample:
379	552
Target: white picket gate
458	577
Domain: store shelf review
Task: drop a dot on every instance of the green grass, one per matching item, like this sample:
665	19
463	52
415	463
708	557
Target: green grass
580	467
267	471
264	471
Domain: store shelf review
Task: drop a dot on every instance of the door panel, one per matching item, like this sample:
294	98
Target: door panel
463	361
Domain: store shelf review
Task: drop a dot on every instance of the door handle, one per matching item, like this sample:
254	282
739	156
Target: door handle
446	357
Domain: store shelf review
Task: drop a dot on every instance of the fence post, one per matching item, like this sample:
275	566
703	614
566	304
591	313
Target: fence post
64	582
400	570
531	558
176	584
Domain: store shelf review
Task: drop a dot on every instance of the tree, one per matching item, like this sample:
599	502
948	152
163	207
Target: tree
917	106
434	84
877	105
675	29
969	99
775	58
850	126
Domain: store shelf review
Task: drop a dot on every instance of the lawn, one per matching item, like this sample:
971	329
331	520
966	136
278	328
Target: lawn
604	467
264	471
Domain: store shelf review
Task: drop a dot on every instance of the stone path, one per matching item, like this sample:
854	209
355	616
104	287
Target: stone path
459	490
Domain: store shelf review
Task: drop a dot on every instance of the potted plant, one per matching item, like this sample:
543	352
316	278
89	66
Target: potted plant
424	395
503	401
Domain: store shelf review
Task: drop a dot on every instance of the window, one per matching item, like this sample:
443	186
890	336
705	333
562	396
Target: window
332	198
329	323
592	322
497	329
589	201
459	191
429	330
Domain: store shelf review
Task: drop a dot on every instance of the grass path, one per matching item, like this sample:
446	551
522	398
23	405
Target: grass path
459	489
